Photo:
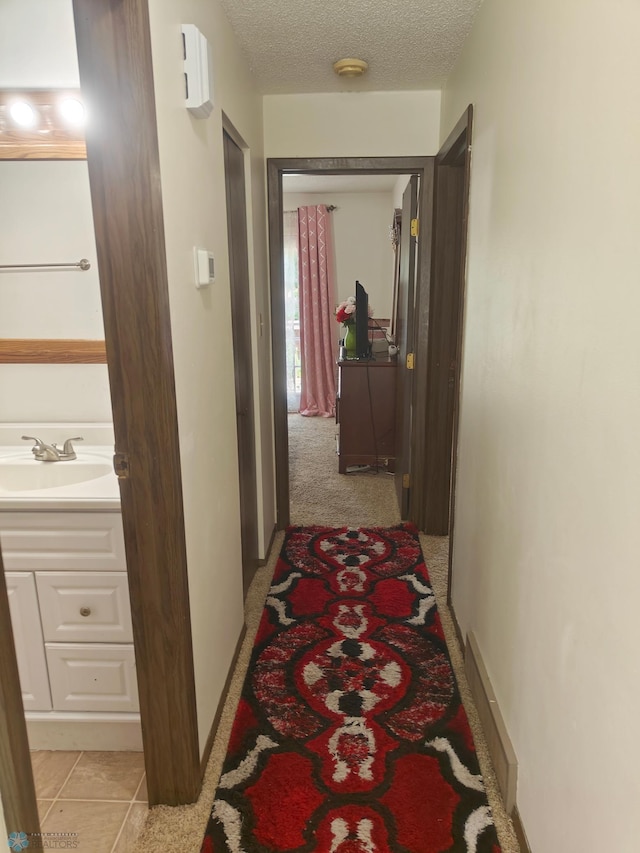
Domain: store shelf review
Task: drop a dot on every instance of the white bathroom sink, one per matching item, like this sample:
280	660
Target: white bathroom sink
30	475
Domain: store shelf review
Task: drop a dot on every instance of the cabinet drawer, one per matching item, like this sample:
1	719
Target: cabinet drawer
84	607
25	620
92	678
81	541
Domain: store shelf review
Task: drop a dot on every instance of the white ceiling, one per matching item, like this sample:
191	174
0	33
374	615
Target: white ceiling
291	44
338	183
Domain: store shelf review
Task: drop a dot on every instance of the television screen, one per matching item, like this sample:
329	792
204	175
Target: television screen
362	322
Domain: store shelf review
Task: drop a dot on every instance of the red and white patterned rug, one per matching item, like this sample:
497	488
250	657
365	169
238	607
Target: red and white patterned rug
350	736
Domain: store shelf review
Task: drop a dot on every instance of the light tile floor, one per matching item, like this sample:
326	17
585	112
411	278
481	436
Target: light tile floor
99	797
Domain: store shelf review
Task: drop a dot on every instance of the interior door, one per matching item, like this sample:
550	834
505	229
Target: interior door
242	356
442	368
405	341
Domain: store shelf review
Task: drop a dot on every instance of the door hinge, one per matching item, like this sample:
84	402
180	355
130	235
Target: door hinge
406	481
410	361
121	466
415	227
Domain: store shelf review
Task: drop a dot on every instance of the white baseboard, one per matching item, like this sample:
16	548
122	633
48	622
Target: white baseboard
501	750
105	733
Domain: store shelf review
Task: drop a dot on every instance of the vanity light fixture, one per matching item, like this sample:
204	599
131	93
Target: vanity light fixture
350	67
72	111
42	124
23	113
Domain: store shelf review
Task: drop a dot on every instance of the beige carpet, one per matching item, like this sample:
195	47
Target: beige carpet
319	495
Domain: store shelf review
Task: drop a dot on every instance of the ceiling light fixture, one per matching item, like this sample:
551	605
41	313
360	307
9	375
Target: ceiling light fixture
23	113
350	67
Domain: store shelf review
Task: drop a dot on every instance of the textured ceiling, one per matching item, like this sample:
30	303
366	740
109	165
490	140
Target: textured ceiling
291	44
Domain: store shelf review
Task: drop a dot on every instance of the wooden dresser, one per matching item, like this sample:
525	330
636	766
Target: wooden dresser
366	413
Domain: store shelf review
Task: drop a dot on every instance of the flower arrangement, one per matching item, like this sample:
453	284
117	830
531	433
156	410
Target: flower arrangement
346	314
346	311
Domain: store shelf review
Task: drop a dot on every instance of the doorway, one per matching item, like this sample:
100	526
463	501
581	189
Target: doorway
451	215
277	169
339	229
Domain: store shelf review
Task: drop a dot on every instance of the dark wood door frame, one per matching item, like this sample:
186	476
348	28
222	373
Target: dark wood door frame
276	168
116	75
114	54
235	185
16	775
404	340
444	351
456	153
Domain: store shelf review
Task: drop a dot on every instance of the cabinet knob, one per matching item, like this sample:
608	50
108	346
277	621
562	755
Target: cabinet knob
85	611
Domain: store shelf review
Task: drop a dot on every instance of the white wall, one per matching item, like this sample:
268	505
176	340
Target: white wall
398	190
193	187
547	536
45	216
43	219
363	250
37	45
54	393
352	124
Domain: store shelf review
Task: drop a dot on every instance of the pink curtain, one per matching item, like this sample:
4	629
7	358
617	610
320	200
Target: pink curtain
317	323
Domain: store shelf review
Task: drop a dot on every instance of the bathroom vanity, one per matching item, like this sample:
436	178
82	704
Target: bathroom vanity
66	574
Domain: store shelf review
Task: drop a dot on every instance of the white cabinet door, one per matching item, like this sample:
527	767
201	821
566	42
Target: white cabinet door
27	633
85	607
92	677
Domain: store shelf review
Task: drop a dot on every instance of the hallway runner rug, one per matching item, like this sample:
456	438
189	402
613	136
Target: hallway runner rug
350	736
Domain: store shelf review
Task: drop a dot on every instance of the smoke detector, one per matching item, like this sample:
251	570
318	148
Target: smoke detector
350	67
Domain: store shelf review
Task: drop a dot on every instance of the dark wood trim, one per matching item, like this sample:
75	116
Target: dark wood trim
445	311
16	776
278	342
449	152
464	127
60	142
276	168
456	626
52	351
116	74
408	285
223	698
241	327
518	827
447	318
350	165
420	487
265	560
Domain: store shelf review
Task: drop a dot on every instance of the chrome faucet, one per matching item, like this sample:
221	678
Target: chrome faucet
51	452
67	449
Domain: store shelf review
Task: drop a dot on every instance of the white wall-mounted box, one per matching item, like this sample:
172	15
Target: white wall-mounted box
197	72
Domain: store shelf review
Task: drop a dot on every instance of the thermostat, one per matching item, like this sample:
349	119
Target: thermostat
205	273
